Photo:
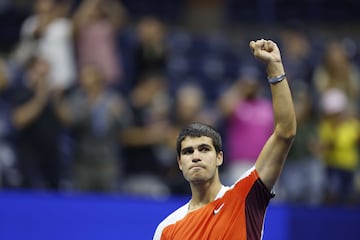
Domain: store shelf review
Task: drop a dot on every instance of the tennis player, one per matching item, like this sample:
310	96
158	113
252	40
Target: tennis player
216	211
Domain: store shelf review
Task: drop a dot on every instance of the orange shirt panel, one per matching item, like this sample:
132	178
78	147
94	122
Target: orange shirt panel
223	218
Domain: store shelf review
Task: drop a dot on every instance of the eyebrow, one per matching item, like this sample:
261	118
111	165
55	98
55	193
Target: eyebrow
199	146
204	145
186	149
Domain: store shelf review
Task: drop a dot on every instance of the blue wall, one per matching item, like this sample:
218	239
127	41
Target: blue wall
59	216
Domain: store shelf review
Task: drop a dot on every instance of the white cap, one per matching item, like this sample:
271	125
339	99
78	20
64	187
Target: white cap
334	101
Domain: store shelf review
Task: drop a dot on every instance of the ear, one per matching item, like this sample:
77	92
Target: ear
219	158
179	163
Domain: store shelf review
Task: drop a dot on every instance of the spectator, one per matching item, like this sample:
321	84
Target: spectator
303	176
9	176
147	139
96	27
249	122
339	134
95	116
151	49
190	106
297	53
338	71
38	130
47	33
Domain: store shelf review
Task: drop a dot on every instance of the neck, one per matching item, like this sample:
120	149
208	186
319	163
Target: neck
204	193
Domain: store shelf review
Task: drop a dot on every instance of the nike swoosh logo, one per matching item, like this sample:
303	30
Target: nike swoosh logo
216	211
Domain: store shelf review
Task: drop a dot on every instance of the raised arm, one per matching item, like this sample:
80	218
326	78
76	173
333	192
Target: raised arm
272	157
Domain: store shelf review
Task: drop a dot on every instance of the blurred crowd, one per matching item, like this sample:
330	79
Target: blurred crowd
92	98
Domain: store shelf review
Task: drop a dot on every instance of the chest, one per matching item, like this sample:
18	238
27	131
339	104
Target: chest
219	220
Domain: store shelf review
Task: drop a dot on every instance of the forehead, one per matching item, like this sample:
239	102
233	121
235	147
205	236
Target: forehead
195	141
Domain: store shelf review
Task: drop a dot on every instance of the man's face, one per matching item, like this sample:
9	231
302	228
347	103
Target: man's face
198	159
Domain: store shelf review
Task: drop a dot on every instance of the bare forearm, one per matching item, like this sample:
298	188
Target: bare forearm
27	113
148	135
284	114
272	157
137	136
63	113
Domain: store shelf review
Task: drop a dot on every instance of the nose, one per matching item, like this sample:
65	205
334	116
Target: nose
196	157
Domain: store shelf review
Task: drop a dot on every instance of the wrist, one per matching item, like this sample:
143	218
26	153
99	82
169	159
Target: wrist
275	69
277	79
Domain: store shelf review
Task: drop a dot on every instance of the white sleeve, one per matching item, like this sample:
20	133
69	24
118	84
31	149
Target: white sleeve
158	232
28	27
56	46
179	214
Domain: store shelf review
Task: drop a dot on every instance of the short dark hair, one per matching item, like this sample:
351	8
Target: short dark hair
198	130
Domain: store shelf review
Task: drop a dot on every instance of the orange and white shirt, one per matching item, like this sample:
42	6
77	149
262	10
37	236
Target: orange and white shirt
237	212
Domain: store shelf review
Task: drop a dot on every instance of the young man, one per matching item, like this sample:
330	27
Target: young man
236	212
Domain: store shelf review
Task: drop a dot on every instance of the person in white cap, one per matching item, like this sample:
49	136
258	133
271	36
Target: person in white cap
339	135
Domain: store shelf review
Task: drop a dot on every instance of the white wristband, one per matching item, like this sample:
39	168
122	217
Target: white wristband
277	79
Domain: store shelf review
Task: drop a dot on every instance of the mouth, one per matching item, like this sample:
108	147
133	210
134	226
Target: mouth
196	167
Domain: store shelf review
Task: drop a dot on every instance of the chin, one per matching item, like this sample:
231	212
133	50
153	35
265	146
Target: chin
198	180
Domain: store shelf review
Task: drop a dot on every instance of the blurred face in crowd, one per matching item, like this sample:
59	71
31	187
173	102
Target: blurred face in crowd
90	78
295	44
151	31
336	56
190	100
44	6
248	82
249	87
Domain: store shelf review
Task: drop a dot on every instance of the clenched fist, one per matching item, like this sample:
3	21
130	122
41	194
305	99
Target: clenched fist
268	52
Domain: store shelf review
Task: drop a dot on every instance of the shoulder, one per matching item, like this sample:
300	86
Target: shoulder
62	23
60	26
249	181
28	26
250	175
177	215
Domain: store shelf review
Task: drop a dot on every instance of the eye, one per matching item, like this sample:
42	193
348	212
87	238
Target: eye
204	149
187	151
